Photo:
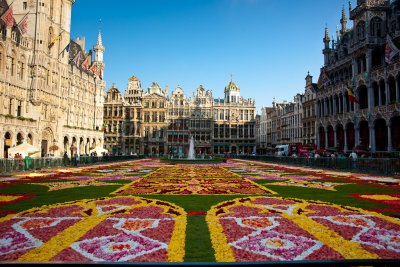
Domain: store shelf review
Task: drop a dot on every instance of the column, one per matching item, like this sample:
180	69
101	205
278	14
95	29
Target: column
389	135
2	146
397	89
334	137
372	138
318	143
379	96
357	135
356	105
78	147
345	139
387	92
334	106
344	103
326	137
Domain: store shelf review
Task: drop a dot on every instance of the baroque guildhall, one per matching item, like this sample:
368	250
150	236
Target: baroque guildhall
51	89
153	122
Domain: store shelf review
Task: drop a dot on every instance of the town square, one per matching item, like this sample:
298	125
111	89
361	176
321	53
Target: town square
200	132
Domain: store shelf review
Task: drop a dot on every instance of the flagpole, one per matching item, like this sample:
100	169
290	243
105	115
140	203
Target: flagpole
35	62
23	17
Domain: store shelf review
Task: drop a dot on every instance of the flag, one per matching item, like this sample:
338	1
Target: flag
323	80
77	59
65	49
8	17
55	41
23	24
104	126
95	70
390	50
85	63
351	96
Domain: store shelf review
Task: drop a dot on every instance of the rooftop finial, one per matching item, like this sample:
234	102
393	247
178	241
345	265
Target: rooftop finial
337	33
99	40
343	20
326	37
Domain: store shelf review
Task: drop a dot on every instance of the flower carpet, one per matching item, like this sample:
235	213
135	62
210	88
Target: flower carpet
111	229
271	228
192	180
237	211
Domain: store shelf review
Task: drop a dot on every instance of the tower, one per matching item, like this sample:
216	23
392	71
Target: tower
343	21
326	43
99	50
232	93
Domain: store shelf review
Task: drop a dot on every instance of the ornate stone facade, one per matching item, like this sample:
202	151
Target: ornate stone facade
356	59
309	111
165	123
45	99
283	122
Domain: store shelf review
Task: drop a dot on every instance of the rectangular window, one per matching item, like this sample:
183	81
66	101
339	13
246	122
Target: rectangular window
25	5
19	109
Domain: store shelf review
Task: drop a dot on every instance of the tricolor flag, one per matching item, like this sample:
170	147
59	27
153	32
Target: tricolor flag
85	63
351	96
77	59
55	40
8	17
390	50
23	24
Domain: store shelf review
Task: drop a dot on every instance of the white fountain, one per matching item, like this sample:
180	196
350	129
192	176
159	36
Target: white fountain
191	149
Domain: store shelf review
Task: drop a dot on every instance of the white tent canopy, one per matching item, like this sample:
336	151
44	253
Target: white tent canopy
24	149
99	151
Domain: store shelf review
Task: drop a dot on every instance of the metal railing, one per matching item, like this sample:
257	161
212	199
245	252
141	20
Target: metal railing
384	166
26	164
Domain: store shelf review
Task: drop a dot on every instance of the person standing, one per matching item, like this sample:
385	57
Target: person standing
353	156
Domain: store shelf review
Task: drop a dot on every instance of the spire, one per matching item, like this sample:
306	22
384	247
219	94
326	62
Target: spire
350	7
337	34
326	37
343	20
99	49
99	40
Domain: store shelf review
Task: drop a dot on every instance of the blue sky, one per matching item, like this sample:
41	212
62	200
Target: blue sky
267	45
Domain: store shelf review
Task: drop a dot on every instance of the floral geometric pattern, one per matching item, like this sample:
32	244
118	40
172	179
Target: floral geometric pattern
182	180
387	199
273	171
109	229
273	228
